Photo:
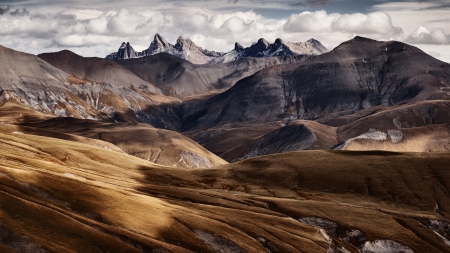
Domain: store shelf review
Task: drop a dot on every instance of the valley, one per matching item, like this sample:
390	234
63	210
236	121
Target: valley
341	150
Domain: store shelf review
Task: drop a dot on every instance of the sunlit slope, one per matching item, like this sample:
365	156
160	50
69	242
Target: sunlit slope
160	146
374	196
61	196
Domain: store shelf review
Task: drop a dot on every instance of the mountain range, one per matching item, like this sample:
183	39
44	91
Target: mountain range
187	50
260	149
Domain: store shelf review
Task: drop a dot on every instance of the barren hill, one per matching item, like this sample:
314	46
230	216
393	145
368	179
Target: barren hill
179	78
34	83
96	70
358	74
315	201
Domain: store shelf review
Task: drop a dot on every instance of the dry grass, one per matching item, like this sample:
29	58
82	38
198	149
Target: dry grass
72	197
141	140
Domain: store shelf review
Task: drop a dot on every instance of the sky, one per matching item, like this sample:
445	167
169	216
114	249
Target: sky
98	27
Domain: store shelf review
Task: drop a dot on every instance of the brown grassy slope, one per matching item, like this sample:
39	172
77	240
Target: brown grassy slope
433	138
114	202
383	194
232	143
66	196
12	112
160	146
157	145
424	126
406	116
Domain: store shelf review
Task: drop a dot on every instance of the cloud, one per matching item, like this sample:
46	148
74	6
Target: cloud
434	36
358	23
97	33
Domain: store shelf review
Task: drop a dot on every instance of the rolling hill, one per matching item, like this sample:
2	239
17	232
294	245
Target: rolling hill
314	201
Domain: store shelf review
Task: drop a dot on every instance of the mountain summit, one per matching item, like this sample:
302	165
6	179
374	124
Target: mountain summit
262	48
186	49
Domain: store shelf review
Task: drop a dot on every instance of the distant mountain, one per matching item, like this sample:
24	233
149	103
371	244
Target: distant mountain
85	88
187	50
180	78
184	49
358	74
279	48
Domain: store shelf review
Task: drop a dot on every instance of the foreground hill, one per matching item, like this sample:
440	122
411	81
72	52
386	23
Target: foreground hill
315	201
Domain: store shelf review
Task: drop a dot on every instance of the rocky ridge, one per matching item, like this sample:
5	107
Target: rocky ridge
186	49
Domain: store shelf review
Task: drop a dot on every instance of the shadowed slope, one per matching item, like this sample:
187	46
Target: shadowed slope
34	83
375	195
358	74
179	78
239	142
115	202
101	196
96	70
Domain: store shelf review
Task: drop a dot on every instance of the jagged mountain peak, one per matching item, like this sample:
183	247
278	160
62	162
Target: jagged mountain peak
158	39
158	44
185	44
186	49
314	41
238	47
278	42
263	42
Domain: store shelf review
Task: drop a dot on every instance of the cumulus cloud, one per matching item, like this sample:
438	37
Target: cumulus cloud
422	35
358	23
98	33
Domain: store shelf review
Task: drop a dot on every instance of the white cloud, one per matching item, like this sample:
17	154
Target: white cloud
320	21
97	33
410	15
424	36
372	23
441	52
